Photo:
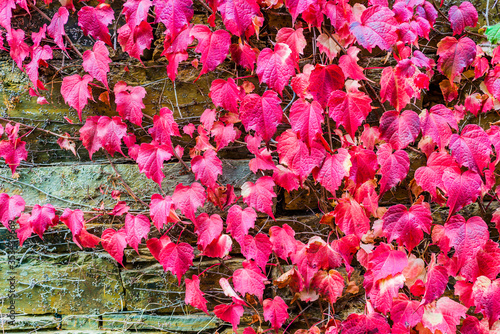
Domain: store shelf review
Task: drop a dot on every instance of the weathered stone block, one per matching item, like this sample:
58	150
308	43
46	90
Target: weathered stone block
29	323
182	323
81	322
65	284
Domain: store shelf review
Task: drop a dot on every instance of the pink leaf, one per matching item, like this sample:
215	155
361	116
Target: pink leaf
462	189
174	14
436	281
164	126
243	55
430	177
177	258
129	101
239	15
114	242
462	16
213	47
230	313
136	11
206	168
136	228
259	195
194	295
13	151
283	241
361	323
394	167
386	261
75	222
275	311
407	226
275	68
262	114
350	217
437	124
335	167
135	40
455	56
189	198
96	62
472	148
151	158
239	221
160	210
323	81
95	21
56	27
294	39
19	50
399	130
102	131
443	316
376	27
349	109
306	119
395	88
10	208
329	284
226	94
249	279
349	64
76	91
208	228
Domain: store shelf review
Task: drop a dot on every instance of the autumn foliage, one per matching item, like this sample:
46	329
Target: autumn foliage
318	121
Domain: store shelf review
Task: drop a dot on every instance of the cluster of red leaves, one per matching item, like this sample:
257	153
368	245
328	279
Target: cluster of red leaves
403	292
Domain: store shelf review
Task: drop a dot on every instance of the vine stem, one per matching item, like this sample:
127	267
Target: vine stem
213	265
50	20
37	128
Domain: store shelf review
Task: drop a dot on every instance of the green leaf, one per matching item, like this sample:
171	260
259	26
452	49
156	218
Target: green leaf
493	33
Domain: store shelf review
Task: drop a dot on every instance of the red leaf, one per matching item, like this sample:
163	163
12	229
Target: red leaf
136	228
407	226
350	217
275	68
177	258
96	62
56	27
376	27
436	281
485	294
136	11
244	55
383	291
462	16
394	166
135	40
262	114
335	167
174	14
10	208
6	8
13	151
406	312
443	316
161	210
219	248
471	325
285	178
25	230
156	245
258	248
189	198
114	242
472	148
467	237
239	221
239	15
361	323
283	241
306	119
386	262
275	311
364	165
212	46
437	124
208	228
19	50
224	134
299	158
249	279
485	263
297	7
226	94
455	56
230	313
95	21
75	222
395	88
102	131
399	130
176	51
430	177
38	56
194	295
164	126
206	168
76	91
294	39
129	101
349	64
259	195
329	284
151	158
323	81
462	189
349	109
